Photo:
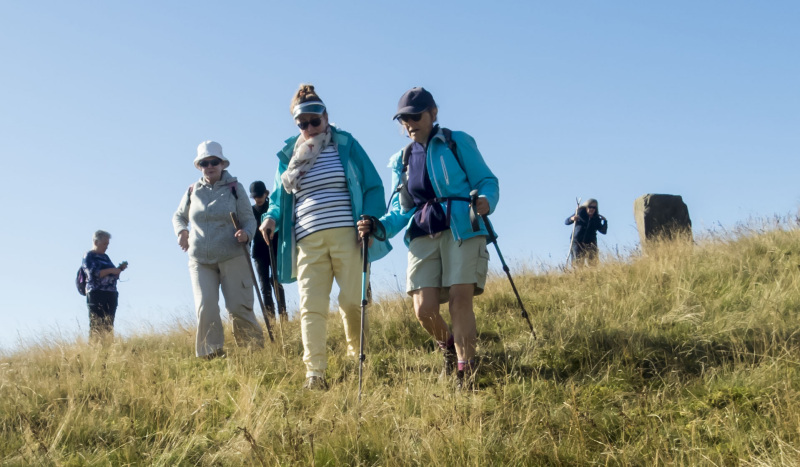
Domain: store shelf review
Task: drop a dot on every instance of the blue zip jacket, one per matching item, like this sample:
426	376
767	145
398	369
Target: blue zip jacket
448	179
366	196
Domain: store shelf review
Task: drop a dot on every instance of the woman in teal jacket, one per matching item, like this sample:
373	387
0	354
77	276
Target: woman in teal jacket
447	257
324	183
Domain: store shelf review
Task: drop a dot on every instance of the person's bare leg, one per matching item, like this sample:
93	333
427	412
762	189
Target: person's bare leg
462	314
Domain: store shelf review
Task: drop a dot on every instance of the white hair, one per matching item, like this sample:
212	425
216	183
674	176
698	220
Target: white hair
100	235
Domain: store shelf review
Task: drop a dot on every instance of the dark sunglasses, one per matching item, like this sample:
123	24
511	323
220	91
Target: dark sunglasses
212	163
591	207
313	122
410	117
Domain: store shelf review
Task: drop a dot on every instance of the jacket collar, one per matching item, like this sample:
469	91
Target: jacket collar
438	134
225	179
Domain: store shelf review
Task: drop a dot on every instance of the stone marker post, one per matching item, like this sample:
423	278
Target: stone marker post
662	216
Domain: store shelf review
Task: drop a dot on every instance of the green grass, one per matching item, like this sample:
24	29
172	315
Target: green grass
689	355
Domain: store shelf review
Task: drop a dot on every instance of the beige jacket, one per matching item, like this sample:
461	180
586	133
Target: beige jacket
207	218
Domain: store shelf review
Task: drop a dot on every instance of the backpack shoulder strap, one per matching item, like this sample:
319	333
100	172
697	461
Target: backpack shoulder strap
233	190
451	144
406	156
189	195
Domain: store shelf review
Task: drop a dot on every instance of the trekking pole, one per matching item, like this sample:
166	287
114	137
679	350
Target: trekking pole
237	226
493	239
375	224
574	224
276	288
364	266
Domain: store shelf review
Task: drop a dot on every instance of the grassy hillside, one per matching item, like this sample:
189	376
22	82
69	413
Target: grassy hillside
689	355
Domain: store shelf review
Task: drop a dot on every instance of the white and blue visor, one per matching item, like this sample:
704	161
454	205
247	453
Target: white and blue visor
311	107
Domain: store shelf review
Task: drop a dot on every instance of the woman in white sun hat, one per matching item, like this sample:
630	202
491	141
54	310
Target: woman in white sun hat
204	228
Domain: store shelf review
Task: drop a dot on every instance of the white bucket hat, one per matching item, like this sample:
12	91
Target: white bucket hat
210	149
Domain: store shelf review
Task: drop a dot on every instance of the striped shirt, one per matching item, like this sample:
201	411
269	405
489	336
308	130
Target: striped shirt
323	202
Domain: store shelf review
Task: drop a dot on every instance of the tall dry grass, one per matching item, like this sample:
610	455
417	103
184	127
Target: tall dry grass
688	355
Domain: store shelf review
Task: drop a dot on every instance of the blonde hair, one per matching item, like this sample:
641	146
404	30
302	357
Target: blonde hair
305	93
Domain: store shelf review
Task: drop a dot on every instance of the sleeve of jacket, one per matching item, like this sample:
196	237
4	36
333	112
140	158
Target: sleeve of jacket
603	226
371	183
274	210
395	220
479	175
569	220
180	220
245	212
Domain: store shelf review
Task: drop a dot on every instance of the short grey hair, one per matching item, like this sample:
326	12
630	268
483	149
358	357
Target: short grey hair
100	235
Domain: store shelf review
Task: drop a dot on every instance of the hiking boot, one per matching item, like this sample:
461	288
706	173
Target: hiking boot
315	383
466	378
465	381
450	364
219	353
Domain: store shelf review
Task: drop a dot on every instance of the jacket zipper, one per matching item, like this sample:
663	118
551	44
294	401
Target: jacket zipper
444	170
440	192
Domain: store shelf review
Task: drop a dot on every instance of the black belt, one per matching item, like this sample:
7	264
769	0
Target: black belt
473	218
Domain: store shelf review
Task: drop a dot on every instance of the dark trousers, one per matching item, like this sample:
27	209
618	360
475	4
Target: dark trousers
584	252
102	309
265	281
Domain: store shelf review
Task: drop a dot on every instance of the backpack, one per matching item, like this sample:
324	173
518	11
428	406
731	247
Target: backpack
80	281
406	201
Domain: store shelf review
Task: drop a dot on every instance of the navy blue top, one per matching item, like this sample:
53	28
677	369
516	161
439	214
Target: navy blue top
259	249
586	227
429	218
93	263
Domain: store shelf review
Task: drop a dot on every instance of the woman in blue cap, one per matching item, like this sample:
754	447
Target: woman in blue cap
447	257
324	183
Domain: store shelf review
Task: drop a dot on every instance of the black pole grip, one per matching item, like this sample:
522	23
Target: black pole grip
473	211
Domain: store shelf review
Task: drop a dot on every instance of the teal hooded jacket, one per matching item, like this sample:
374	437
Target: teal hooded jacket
366	197
449	179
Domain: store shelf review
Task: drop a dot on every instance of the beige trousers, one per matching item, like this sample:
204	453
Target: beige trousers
237	288
322	257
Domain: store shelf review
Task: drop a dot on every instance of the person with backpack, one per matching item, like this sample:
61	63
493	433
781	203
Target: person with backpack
204	229
588	222
99	284
260	252
447	256
325	181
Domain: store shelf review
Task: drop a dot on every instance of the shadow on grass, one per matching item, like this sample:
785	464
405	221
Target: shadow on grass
647	357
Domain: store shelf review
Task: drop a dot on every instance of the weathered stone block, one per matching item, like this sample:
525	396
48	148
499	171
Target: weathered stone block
662	216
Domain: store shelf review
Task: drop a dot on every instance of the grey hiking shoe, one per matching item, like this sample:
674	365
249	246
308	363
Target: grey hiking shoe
315	383
450	364
219	353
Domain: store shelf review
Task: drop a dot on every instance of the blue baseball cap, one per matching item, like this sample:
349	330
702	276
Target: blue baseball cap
414	101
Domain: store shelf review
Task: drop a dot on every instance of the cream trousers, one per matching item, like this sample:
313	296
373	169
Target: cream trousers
237	288
322	257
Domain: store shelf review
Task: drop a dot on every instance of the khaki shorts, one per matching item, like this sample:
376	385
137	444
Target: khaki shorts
442	262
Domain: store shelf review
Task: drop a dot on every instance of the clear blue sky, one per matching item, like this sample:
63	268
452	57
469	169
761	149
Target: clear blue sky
104	103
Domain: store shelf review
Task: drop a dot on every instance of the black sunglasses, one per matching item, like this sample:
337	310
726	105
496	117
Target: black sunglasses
212	163
313	122
591	207
409	117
